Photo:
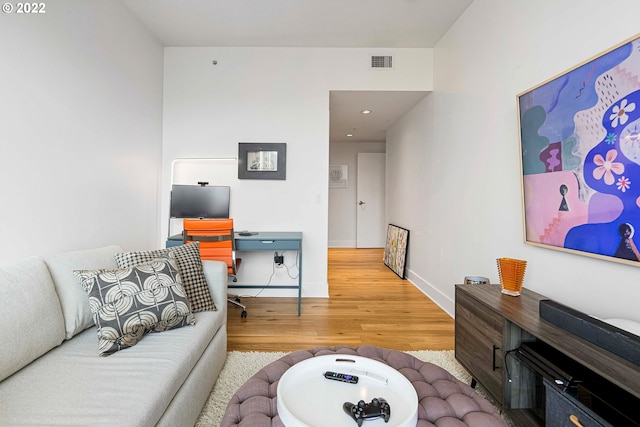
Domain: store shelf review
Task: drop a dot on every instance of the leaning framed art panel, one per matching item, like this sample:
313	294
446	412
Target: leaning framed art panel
395	249
580	157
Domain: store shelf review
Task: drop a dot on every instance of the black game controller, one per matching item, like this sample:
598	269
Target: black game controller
368	411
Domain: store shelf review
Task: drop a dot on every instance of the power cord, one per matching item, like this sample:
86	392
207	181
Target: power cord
275	265
506	365
295	265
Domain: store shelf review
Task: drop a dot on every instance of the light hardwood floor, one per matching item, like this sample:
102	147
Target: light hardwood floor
368	304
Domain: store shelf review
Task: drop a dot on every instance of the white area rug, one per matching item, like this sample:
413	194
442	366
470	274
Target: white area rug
240	366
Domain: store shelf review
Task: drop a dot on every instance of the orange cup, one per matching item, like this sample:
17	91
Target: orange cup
511	273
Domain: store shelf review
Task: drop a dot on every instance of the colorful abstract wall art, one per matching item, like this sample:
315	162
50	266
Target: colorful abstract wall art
580	147
395	249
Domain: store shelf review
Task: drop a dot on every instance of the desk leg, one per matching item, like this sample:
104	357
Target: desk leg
300	281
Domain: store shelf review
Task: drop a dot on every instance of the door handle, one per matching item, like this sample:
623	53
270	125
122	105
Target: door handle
494	367
361	202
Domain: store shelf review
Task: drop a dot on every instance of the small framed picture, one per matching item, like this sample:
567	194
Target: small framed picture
262	160
338	176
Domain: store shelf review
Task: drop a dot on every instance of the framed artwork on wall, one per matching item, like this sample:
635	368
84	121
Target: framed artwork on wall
395	249
262	160
338	176
580	157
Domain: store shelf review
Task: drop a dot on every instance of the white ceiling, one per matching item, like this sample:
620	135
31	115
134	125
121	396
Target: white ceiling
311	23
386	107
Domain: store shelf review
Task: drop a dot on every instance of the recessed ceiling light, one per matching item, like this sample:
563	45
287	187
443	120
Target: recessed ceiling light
349	135
366	111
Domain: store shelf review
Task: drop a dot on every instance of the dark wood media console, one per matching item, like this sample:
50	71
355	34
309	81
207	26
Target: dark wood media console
490	325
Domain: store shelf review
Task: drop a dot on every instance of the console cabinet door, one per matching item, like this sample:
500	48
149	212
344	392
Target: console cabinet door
479	342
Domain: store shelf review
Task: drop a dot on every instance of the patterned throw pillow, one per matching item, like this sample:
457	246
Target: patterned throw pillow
190	266
129	302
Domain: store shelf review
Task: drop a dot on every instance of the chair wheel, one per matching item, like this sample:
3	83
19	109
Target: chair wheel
243	314
235	279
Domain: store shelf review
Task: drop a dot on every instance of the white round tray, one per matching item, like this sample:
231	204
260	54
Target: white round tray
307	399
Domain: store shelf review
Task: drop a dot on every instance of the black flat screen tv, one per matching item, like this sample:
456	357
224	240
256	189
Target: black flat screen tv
197	201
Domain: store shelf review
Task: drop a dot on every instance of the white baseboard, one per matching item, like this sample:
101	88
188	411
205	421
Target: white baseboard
434	294
342	243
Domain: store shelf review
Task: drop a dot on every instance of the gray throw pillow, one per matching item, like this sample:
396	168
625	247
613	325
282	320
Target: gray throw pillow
129	302
190	266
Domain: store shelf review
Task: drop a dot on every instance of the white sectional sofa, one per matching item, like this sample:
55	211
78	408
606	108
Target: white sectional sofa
50	371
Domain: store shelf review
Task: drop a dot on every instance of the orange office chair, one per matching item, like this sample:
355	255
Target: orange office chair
217	242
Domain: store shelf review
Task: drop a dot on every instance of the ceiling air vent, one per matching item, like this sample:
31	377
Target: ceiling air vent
381	61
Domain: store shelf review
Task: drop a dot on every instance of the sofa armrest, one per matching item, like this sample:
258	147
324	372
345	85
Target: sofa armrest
218	279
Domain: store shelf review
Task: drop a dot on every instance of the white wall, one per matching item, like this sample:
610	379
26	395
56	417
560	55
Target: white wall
342	201
464	208
273	95
412	188
81	114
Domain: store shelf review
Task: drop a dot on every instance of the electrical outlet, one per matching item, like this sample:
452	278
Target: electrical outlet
278	259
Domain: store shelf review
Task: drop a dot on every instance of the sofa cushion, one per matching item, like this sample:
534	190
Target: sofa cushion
129	302
30	315
70	386
74	302
190	266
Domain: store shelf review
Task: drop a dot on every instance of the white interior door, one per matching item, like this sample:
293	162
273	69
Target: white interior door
370	228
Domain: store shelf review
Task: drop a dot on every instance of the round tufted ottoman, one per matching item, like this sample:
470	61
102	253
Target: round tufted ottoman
443	400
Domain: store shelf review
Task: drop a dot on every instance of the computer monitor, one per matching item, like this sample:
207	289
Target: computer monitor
199	201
